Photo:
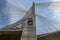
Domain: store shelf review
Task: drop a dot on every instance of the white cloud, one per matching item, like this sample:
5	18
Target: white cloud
55	0
17	3
55	10
16	10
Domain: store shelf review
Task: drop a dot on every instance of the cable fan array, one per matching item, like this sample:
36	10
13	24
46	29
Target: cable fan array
47	24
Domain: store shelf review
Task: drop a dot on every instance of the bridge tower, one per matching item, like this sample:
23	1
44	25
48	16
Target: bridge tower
29	30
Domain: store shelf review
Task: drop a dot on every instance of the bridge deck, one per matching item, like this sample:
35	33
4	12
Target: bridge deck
50	36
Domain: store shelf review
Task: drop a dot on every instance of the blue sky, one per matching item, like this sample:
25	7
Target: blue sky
12	15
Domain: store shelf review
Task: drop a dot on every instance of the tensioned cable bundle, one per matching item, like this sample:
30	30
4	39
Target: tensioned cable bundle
46	22
48	3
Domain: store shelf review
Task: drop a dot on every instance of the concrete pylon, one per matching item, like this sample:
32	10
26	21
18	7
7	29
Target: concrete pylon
29	30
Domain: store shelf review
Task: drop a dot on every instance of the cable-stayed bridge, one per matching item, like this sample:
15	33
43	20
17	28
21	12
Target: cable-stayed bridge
28	25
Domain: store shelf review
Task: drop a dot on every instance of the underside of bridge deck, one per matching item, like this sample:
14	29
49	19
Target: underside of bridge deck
10	35
51	36
16	35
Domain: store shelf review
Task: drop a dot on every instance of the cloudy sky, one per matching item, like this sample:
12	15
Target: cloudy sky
13	10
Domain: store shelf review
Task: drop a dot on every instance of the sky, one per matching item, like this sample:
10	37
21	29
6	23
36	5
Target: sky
14	10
